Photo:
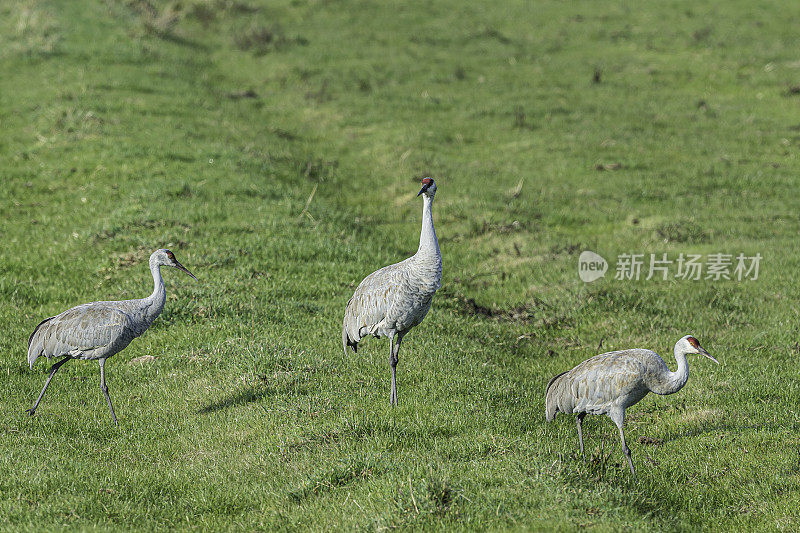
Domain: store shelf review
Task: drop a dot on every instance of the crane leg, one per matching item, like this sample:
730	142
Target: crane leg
393	366
579	420
625	447
104	388
394	357
53	371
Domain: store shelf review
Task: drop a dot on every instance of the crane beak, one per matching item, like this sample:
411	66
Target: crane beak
424	188
181	267
704	352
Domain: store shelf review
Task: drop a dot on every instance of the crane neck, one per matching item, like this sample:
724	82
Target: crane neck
679	378
154	303
428	243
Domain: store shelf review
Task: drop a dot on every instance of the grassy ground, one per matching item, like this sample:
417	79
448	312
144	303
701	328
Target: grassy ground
274	147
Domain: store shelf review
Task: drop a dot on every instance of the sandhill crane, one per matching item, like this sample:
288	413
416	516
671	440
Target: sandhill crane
609	383
392	300
97	330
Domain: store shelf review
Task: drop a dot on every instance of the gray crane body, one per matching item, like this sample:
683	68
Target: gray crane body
392	300
98	330
95	330
609	383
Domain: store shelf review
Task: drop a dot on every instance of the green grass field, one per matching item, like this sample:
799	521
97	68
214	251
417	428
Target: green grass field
550	127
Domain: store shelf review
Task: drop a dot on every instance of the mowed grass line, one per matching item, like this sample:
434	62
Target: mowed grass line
205	127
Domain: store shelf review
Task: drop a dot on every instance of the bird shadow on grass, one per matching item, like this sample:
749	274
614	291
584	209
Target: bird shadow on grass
182	41
250	395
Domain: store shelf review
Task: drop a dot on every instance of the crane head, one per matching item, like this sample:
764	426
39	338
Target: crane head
428	187
167	258
692	345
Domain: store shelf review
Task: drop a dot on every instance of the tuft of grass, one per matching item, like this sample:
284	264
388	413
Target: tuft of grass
336	477
683	231
34	31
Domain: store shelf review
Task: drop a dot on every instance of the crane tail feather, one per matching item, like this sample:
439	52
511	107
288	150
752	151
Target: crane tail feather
549	383
39	325
34	353
346	341
551	399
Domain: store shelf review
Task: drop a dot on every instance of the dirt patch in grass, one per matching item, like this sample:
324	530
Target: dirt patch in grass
469	306
260	40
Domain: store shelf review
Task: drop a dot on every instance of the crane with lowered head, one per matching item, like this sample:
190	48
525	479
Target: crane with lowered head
609	383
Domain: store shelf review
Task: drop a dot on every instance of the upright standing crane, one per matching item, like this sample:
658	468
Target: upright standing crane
97	330
392	300
609	383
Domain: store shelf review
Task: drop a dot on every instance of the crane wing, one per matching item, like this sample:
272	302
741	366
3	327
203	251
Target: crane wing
371	302
605	378
84	332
